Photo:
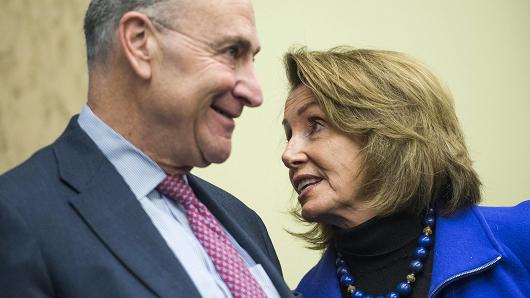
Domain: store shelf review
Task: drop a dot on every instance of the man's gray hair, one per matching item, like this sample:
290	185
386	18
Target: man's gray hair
102	19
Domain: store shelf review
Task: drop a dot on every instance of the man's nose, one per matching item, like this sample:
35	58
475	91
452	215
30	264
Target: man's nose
247	86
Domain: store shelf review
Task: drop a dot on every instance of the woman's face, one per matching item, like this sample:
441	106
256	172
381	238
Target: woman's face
324	164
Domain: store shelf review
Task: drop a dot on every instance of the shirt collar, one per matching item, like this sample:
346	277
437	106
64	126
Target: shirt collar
139	171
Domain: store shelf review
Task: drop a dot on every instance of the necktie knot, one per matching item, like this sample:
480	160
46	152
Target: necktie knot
176	188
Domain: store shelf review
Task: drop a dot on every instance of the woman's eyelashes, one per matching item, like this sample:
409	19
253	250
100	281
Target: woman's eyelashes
315	125
288	133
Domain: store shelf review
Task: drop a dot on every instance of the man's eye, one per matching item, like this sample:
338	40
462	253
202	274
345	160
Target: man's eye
233	51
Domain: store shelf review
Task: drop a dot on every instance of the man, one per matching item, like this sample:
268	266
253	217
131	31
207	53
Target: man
107	209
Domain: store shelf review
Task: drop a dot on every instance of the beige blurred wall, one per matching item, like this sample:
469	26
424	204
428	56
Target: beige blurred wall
481	49
42	73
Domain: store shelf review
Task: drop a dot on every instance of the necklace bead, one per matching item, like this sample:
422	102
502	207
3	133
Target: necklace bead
342	270
358	294
346	280
427	231
350	290
404	288
420	253
340	262
425	241
416	266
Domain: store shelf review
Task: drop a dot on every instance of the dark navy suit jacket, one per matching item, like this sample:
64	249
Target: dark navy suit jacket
71	227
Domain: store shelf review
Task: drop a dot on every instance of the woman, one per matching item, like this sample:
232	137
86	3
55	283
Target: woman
377	157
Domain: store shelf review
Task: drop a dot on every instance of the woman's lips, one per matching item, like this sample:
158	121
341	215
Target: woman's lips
306	191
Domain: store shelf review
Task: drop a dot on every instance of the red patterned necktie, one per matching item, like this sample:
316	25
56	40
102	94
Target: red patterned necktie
224	256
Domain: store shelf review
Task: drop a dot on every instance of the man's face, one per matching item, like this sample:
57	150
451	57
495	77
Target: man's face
202	80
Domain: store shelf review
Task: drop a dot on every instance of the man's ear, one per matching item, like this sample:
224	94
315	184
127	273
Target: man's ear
137	38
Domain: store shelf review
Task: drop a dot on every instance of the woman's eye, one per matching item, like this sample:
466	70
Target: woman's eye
288	134
315	126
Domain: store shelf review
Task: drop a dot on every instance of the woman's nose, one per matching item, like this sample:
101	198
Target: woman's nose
293	156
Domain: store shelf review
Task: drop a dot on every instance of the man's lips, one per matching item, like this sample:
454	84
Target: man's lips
226	111
225	122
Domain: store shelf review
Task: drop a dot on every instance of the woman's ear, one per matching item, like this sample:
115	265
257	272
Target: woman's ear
137	37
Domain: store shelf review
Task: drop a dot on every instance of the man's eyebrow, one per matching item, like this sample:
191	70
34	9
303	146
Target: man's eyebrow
243	43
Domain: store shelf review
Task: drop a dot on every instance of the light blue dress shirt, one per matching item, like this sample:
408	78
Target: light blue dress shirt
143	175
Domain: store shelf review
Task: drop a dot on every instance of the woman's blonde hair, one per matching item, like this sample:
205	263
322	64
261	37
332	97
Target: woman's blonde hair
413	151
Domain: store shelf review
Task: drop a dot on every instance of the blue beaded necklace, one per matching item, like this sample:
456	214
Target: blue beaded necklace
404	288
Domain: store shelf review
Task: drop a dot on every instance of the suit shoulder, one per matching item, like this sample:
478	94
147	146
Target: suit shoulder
30	174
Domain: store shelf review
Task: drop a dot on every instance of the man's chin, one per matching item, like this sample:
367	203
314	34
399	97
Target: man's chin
214	156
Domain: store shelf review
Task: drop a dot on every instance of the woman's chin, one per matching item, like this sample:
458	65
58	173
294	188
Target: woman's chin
310	214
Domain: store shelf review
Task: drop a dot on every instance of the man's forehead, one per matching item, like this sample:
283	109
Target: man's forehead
226	19
215	8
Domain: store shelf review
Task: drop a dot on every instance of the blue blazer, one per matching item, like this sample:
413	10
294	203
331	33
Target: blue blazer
479	252
71	227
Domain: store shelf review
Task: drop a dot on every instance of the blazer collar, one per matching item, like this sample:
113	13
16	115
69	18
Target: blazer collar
463	245
108	206
78	158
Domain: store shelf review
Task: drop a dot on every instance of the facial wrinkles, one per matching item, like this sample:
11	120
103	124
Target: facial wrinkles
201	41
325	171
299	98
299	107
192	55
202	51
226	20
312	145
203	64
329	154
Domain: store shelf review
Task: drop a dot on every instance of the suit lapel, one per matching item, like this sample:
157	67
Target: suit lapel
229	220
107	205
